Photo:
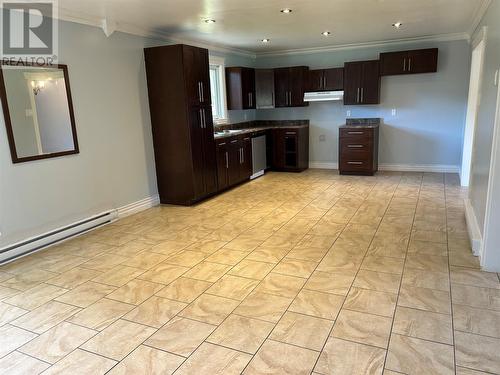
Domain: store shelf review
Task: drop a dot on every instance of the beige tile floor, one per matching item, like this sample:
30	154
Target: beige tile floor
289	274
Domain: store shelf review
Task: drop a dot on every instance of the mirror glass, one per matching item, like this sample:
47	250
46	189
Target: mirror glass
40	120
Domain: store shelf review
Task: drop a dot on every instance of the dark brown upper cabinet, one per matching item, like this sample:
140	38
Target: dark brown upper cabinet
325	80
181	119
289	86
409	62
240	87
264	88
362	82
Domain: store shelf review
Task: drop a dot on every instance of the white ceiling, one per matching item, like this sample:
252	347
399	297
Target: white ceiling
241	24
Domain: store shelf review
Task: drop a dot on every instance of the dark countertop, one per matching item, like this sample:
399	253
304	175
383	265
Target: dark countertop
363	123
256	126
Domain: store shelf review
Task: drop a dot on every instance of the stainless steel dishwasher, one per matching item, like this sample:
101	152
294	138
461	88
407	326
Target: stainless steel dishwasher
259	158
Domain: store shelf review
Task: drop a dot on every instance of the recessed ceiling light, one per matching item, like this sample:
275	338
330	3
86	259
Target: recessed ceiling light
397	25
209	21
286	10
265	40
326	33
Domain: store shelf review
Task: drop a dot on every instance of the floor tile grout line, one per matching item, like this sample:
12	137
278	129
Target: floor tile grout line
422	176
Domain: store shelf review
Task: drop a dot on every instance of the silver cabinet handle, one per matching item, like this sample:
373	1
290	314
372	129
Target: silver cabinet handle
222	144
290	133
324	83
199	92
409	64
234	141
404	64
242	156
362	94
227	161
355	133
357	97
320	82
251	99
355	162
272	99
355	146
202	92
201	118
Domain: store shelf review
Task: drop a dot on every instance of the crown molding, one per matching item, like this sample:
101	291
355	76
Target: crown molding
66	15
380	43
478	15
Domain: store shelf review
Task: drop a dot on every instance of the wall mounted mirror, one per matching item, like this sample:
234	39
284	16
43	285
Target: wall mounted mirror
38	112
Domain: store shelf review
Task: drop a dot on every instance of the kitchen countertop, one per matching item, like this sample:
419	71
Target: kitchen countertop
366	123
257	126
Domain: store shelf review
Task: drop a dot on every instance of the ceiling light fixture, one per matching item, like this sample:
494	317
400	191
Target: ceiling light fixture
286	10
326	33
265	40
209	21
397	25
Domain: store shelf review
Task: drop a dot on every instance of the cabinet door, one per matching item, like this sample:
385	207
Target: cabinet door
423	61
352	82
209	157
192	74
393	63
370	83
264	88
281	87
278	149
298	76
222	165
246	158
315	80
234	89
248	88
291	149
197	147
234	161
204	74
333	79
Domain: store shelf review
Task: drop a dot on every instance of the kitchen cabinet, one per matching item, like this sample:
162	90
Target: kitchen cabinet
264	88
181	119
358	150
409	62
234	160
326	80
289	86
362	82
291	149
240	88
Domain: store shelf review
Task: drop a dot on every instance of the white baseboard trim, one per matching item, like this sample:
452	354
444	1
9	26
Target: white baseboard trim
323	165
138	206
476	239
438	168
71	230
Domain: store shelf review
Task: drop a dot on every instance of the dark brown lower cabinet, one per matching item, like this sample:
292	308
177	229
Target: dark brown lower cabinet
291	149
234	160
358	150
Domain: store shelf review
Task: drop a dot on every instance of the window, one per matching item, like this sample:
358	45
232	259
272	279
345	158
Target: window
218	89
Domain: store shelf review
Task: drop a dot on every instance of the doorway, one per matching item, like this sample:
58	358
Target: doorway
473	104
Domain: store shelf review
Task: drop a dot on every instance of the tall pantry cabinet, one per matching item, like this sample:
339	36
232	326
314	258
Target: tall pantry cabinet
181	118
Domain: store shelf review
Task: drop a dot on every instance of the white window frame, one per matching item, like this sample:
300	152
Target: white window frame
220	62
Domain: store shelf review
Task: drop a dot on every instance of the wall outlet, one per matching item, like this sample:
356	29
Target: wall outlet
322	138
393	111
29	112
349	113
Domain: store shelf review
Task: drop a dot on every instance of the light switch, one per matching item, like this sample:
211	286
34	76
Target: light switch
322	138
348	113
29	112
394	112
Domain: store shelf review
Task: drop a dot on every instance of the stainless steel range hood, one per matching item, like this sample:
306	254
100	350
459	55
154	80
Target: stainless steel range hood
323	96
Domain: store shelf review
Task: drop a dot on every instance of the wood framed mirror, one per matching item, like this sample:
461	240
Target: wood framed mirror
38	111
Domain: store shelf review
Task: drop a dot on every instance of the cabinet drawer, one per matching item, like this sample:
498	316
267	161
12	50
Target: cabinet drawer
355	146
356	164
356	133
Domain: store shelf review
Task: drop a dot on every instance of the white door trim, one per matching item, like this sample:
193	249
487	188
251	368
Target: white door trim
490	252
473	103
